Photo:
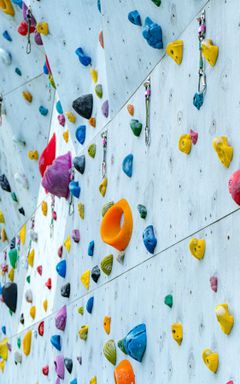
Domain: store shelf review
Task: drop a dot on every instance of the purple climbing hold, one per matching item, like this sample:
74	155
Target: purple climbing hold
37	38
105	108
59	366
61	120
61	318
76	235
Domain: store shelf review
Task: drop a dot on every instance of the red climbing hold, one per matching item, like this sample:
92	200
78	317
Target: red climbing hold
45	370
49	283
23	28
48	155
39	270
234	186
41	328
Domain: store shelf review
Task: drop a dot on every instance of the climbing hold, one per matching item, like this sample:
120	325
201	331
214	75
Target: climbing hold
66	136
6	7
61	120
101	39
43	110
210	359
197	248
7	36
81	310
94	75
48	283
45	305
89	305
225	319
81	134
83	332
11	274
9	295
142	211
74	188
74	381
123	373
18	71
27	340
4	331
38	38
57	176
127	165
23	28
136	127
71	117
4	349
28	279
214	283
157	2
17	357
91	248
48	155
135	342
83	58
105	108
3	235
224	150
61	318
107	324
59	366
2	366
44	207
130	108
81	210
83	105
152	32
22	234
30	257
103	186
135	18
177	332
194	136
59	107
5	56
95	273
61	268
110	352
92	122
27	96
234	186
65	290
209	51
13	256
99	90
106	207
39	270
68	364
106	264
45	370
60	249
92	150
185	143
41	328
149	239
175	50
56	342
32	312
76	235
21	210
168	300
79	163
85	279
198	99
42	28
4	183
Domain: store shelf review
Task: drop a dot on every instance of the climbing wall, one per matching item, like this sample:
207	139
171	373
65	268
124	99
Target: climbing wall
169	260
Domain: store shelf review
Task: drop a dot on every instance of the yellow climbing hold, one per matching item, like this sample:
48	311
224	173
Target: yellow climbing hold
197	248
27	96
85	279
44	208
45	305
71	117
33	312
83	332
3	235
2	220
2	365
33	155
175	50
66	136
11	274
26	343
4	349
30	257
185	143
94	75
81	210
67	244
107	324
6	7
210	51
93	380
103	186
177	332
22	234
224	150
42	28
210	359
225	319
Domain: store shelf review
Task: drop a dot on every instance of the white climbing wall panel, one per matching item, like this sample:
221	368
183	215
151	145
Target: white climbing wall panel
185	196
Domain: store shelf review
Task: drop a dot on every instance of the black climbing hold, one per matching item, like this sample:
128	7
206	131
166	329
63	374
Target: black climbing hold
9	295
4	183
13	243
79	163
95	273
21	210
22	319
83	105
65	290
68	364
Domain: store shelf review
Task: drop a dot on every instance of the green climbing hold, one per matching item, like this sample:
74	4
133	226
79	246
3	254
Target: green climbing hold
109	351
28	279
106	264
121	346
99	91
13	255
14	197
169	301
106	207
136	127
81	310
157	2
19	342
142	210
92	150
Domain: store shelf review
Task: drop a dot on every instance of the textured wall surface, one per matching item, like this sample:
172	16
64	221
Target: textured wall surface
185	196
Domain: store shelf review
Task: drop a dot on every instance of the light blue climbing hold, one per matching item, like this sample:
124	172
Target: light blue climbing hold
152	32
74	188
4	331
74	381
43	110
56	342
45	69
135	342
18	2
91	248
149	239
61	268
59	107
198	99
84	59
99	6
81	134
18	72
135	18
89	305
7	36
127	165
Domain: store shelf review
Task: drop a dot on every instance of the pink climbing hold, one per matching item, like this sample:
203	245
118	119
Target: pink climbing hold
61	318
54	215
214	283
194	136
100	39
234	186
61	120
59	366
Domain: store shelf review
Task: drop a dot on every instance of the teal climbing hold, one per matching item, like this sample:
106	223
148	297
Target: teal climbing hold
43	110
91	248
168	301
121	346
157	2
18	71
14	197
13	256
136	127
127	165
59	107
142	210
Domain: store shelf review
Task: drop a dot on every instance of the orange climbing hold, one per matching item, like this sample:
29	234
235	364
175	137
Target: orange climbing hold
3	235
92	122
123	373
27	96
113	232
6	7
130	109
33	155
107	324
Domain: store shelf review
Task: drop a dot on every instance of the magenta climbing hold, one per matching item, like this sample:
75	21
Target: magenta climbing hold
76	235
214	283
48	155
61	318
194	136
59	366
105	108
234	186
61	120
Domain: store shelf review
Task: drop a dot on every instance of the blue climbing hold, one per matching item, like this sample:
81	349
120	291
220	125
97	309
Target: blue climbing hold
81	134
99	6
18	72
45	69
152	32
135	342
198	99
1	288
84	59
7	36
18	2
4	331
59	107
74	381
61	268
89	305
135	18
127	165
91	248
74	188
43	110
56	342
149	239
